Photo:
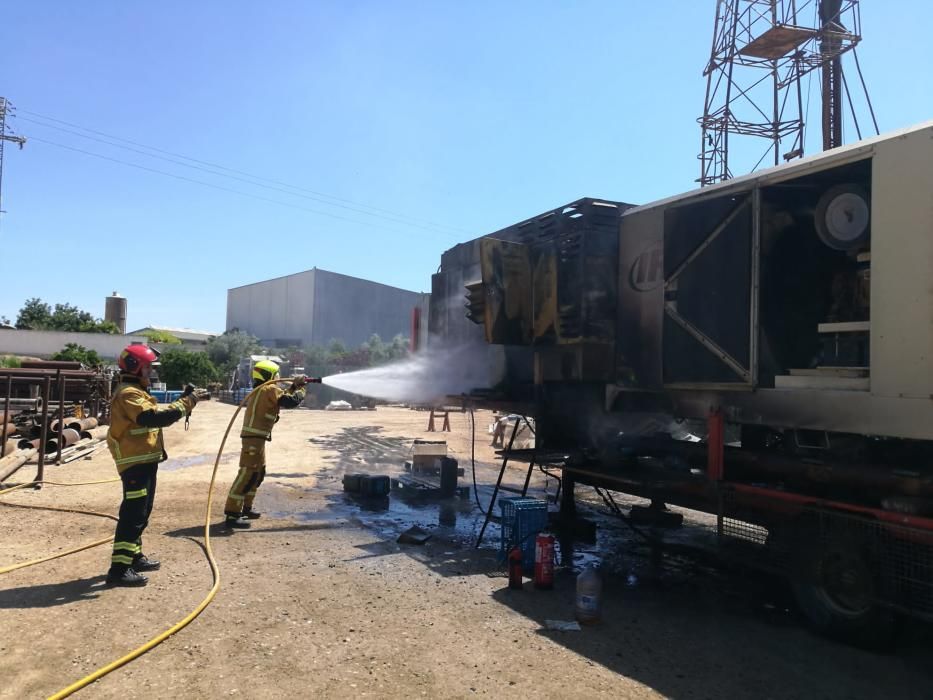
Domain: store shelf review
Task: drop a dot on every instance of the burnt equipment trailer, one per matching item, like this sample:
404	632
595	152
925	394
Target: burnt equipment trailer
784	318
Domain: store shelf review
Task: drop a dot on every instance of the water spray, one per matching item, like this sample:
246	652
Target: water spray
426	377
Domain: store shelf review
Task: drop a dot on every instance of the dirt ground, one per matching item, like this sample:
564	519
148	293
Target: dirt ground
318	599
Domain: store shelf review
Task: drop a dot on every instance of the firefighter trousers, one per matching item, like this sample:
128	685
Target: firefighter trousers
248	479
139	488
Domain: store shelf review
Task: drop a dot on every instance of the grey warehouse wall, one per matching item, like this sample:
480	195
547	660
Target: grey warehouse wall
353	309
278	308
316	306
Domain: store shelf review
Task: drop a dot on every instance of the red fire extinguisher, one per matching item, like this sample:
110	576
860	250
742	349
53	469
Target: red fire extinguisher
515	568
544	560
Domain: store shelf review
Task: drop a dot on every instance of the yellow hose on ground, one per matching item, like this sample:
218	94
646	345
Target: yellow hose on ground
23	565
155	641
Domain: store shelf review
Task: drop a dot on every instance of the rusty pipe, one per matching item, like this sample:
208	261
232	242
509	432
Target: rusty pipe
18	405
11	463
83	424
96	433
6	409
748	465
69	437
50	364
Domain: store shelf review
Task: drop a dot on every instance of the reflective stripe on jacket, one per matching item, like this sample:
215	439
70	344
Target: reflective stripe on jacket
129	442
261	412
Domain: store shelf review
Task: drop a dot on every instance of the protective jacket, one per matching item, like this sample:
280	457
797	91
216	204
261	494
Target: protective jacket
136	422
262	409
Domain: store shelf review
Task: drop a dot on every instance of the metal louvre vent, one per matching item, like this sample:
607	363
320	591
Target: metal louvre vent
744	531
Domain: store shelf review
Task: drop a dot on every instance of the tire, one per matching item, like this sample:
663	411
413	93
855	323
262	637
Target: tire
835	587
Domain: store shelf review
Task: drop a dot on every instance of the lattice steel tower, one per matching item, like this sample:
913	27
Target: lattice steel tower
762	49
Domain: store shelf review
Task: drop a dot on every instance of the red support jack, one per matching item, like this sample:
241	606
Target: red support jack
415	329
715	445
441	413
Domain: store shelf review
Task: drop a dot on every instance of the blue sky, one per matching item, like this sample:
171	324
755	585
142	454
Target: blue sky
458	118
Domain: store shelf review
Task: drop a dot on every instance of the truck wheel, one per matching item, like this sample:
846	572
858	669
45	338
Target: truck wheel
836	590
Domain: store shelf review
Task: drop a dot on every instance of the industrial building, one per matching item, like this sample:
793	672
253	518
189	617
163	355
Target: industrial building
190	339
317	306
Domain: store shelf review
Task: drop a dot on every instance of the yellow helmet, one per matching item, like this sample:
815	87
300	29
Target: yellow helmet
264	370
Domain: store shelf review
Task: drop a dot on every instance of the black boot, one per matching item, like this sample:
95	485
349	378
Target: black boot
125	576
233	522
250	514
143	563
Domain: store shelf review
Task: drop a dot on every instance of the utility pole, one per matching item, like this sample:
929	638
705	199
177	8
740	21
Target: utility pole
5	136
830	45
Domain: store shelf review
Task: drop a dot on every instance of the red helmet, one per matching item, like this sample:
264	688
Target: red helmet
134	357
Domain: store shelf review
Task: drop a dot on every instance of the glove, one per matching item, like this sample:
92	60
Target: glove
191	395
199	394
299	381
189	401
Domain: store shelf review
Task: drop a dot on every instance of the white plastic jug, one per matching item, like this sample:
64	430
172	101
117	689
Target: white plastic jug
589	596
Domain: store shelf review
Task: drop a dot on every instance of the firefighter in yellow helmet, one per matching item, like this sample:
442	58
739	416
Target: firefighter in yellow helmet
135	441
260	414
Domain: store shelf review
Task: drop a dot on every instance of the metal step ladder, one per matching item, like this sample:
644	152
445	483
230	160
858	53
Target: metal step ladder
509	489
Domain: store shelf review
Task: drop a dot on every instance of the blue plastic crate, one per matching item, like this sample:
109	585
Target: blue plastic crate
166	396
522	519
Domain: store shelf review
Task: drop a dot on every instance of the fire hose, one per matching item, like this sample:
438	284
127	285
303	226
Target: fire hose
215	570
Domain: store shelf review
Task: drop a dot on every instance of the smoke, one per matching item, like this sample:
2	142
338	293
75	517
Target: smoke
426	377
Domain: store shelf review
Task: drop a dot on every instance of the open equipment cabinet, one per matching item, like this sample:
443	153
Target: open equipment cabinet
760	349
797	298
770	287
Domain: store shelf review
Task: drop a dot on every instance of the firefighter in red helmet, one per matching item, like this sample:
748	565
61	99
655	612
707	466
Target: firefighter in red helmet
135	441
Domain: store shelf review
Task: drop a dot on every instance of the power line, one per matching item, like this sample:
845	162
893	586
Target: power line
206	184
316	195
234	177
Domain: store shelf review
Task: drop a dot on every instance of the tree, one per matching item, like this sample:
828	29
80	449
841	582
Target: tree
180	367
100	326
320	360
164	337
316	356
9	361
38	316
66	317
72	352
400	348
226	350
377	349
336	347
35	315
